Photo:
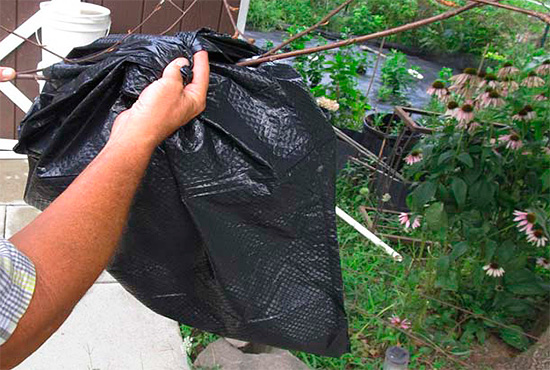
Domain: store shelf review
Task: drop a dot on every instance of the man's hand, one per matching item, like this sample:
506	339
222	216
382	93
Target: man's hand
6	74
165	105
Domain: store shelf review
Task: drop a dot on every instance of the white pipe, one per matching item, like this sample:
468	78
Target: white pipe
243	13
367	234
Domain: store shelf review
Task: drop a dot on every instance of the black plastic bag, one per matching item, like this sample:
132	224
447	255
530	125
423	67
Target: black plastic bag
233	228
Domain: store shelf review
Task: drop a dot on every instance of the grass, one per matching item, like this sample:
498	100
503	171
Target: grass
375	288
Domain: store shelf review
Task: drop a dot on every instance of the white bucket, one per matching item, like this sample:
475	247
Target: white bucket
68	24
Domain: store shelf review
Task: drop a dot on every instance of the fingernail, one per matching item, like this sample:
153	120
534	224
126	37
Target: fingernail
8	73
182	62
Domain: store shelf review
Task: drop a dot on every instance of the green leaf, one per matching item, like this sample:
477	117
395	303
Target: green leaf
505	252
442	265
466	159
523	282
458	250
423	193
445	157
459	188
515	338
482	193
436	217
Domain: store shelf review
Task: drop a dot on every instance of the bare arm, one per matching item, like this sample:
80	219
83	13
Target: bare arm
72	241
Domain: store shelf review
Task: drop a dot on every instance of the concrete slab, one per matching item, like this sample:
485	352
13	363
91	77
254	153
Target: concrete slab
17	217
110	330
106	278
2	220
13	176
7	144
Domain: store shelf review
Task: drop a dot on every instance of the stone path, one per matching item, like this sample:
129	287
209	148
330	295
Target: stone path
108	329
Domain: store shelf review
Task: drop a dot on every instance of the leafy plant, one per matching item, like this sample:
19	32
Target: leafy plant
397	77
481	185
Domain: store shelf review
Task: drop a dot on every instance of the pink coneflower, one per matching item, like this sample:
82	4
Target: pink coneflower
490	80
507	70
413	157
546	150
513	141
491	99
400	323
405	219
525	114
544	262
469	75
452	108
525	220
438	89
544	68
541	97
532	80
537	237
465	114
508	85
493	269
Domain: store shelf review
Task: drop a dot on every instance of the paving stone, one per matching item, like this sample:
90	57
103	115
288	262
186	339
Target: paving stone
221	353
13	176
110	330
2	220
17	217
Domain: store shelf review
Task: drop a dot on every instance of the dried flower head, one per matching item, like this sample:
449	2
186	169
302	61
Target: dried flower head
507	70
544	68
328	104
532	80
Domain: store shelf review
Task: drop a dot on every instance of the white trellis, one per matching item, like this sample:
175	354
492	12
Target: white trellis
8	45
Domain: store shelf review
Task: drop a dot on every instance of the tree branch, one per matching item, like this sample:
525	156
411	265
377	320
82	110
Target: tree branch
542	16
235	28
306	31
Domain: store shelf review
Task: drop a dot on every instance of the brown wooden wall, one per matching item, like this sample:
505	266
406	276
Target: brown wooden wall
125	15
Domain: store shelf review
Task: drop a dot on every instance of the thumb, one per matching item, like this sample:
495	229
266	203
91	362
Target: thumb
172	70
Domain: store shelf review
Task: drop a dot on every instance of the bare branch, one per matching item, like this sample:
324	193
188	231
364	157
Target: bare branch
388	32
183	14
235	28
306	31
31	42
542	16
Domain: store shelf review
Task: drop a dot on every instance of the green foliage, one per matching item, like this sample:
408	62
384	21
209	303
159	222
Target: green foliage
468	185
469	32
397	77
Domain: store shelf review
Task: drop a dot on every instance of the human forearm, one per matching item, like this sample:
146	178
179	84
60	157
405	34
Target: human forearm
71	242
77	234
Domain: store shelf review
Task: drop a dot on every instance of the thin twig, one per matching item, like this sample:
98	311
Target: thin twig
542	16
28	76
31	42
483	58
235	28
183	14
371	82
322	22
388	32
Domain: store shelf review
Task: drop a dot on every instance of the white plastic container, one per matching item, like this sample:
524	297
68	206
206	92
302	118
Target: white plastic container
67	24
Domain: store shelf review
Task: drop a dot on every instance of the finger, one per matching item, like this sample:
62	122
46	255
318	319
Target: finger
172	70
201	72
6	74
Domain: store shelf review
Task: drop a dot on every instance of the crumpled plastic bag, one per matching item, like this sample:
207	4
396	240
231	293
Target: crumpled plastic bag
233	228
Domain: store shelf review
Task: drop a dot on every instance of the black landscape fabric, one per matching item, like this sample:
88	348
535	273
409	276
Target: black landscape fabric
233	227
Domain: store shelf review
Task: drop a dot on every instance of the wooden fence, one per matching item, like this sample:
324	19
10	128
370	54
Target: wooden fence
125	15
